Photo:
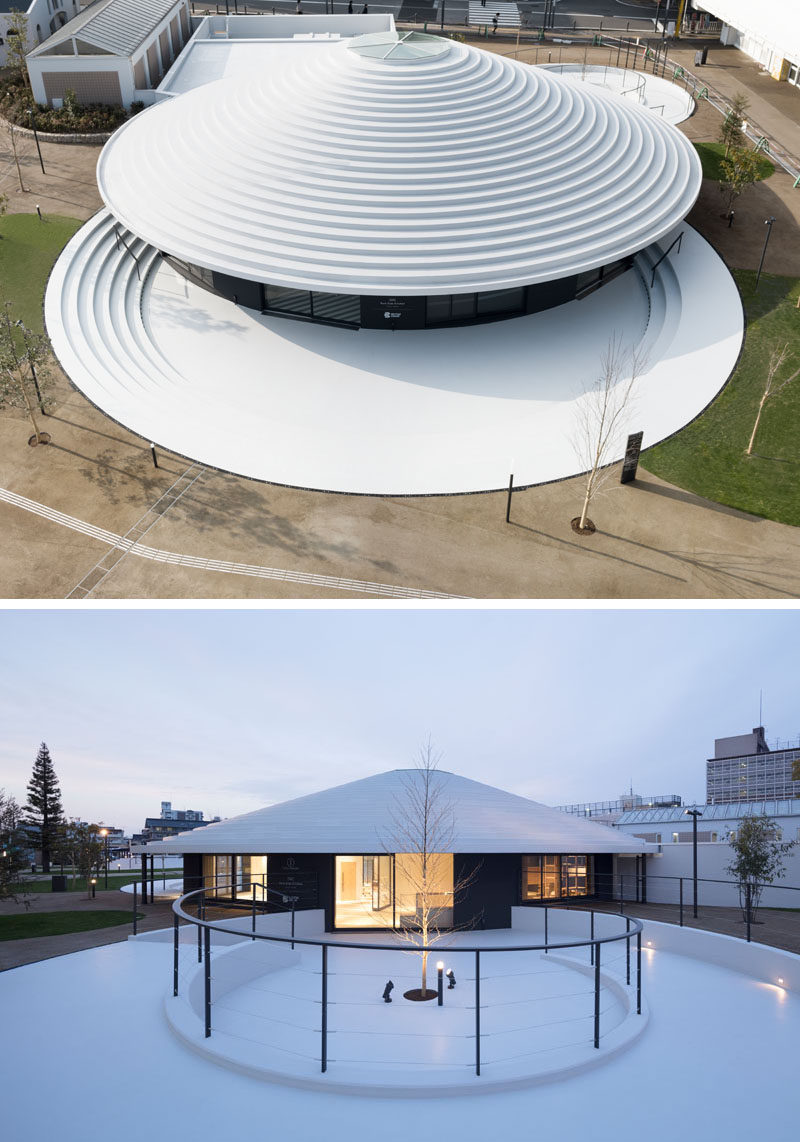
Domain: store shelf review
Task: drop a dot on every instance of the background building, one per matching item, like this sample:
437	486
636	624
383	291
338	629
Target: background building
170	823
609	812
114	52
44	17
744	768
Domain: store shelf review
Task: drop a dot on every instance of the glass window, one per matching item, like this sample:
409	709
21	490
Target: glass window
288	300
501	301
551	877
531	878
437	309
344	307
463	306
587	280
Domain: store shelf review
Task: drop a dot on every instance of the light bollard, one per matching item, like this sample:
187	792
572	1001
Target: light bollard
439	984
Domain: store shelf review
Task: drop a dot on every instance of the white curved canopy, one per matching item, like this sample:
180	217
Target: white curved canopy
359	817
398	172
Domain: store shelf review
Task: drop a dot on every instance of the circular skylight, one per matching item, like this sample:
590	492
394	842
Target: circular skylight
399	47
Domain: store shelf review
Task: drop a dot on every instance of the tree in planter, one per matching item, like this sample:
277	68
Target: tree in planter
25	376
44	812
731	133
757	859
740	169
600	418
776	361
13	848
422	840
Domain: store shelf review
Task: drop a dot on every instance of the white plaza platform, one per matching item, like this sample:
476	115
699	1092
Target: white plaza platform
717	1013
375	412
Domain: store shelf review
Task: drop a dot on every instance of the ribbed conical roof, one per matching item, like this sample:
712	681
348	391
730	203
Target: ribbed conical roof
359	169
359	817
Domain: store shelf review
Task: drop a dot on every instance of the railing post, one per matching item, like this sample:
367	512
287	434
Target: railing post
621	895
199	930
591	933
293	907
135	911
207	997
639	972
324	1044
175	943
254	911
597	996
478	1008
681	903
628	952
748	903
545	930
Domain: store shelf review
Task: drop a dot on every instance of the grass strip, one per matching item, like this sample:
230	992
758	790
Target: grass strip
708	457
26	925
28	250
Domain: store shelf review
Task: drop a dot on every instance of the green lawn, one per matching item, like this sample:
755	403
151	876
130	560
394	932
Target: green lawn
114	881
711	154
27	925
28	249
708	456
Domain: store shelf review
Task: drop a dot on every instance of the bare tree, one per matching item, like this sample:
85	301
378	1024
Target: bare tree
777	359
12	138
600	418
24	359
14	849
422	840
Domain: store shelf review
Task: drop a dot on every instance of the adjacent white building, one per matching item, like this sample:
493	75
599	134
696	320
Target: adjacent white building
113	52
768	32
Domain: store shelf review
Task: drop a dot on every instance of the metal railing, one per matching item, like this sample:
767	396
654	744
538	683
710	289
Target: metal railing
595	944
633	888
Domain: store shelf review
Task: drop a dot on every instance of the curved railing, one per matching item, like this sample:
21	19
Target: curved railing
595	945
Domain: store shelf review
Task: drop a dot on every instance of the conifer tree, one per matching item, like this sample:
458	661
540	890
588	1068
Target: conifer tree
44	812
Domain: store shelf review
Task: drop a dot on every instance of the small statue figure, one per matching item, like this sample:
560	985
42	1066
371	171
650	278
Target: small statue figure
451	975
387	992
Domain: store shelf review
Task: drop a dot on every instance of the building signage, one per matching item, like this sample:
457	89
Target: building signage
392	312
301	887
631	461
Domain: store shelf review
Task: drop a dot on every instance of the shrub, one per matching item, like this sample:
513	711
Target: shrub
15	103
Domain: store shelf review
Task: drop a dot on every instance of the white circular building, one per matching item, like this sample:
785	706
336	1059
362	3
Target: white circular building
359	183
399	181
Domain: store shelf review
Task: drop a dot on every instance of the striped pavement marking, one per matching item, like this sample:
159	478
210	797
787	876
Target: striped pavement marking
157	555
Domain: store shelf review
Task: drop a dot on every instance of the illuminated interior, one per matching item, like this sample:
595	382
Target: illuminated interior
550	876
381	891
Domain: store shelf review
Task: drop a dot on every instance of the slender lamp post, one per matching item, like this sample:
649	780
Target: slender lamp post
36	140
104	834
694	814
768	223
439	984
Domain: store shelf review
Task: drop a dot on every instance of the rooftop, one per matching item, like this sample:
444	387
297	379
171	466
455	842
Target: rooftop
428	174
787	807
360	817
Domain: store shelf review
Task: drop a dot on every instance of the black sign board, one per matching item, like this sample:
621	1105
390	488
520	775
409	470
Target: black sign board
392	312
302	888
631	461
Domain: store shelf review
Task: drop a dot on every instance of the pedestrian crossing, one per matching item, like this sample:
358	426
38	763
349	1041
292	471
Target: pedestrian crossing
507	15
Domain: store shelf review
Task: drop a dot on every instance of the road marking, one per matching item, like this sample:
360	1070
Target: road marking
157	555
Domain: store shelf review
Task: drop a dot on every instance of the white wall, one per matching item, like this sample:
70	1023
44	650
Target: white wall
676	861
